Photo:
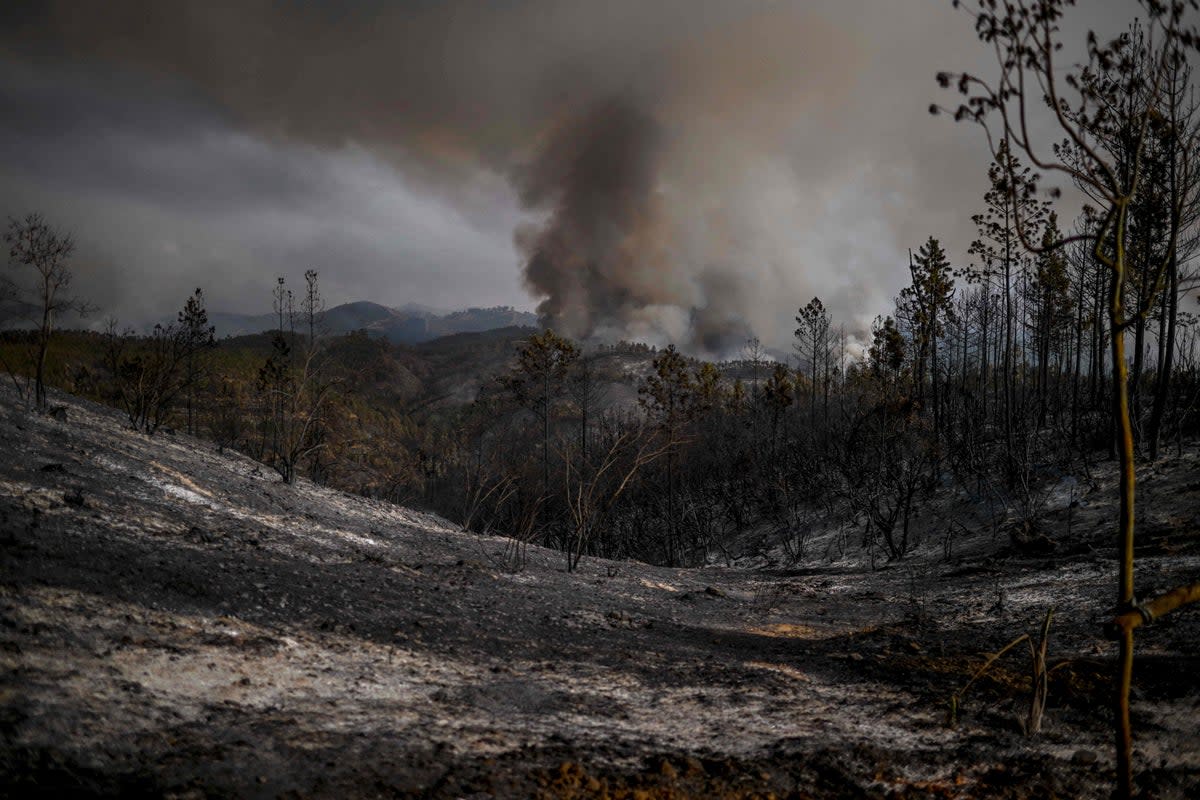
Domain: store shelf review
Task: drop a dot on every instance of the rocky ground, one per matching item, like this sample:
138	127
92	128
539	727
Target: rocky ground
177	622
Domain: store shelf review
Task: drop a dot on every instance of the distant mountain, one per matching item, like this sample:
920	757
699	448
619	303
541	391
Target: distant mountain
356	316
238	324
418	308
410	324
476	320
16	314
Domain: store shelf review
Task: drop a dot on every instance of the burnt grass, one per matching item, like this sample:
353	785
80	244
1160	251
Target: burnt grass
175	621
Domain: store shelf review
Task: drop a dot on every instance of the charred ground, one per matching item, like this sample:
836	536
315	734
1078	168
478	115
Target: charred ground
178	621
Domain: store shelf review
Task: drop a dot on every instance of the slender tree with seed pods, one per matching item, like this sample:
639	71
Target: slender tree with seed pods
1110	92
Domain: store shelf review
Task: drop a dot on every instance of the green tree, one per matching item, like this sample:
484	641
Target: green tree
886	353
928	303
778	394
709	391
539	379
668	396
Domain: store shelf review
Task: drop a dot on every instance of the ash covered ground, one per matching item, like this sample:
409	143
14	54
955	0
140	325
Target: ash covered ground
177	622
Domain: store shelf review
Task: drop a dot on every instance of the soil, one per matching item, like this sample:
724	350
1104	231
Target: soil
175	621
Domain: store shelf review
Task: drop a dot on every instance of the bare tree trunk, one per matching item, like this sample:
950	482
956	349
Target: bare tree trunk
1009	447
1128	488
1075	375
1166	365
39	380
1139	345
671	505
1162	387
986	301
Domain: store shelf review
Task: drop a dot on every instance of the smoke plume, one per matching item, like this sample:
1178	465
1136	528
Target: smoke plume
600	257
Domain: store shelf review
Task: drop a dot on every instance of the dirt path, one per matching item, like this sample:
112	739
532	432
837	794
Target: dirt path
174	621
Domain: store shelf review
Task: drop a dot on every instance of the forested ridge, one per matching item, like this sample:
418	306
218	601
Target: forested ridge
990	379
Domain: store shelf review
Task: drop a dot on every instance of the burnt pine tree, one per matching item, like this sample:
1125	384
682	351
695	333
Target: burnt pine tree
198	336
778	396
1181	119
150	372
294	386
1052	308
312	317
1010	204
812	350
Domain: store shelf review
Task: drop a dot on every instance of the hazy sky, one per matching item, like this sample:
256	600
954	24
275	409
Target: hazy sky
685	169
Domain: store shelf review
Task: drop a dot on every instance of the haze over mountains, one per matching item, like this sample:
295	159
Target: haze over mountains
408	324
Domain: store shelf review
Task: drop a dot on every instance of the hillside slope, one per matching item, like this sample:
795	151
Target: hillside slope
176	621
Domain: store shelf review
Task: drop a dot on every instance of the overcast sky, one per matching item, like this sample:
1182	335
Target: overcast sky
683	169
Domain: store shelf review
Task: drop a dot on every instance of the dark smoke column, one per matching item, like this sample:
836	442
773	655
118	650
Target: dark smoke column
601	255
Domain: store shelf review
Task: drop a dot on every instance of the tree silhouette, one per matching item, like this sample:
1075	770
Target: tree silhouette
544	361
812	349
668	394
198	336
34	246
927	304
